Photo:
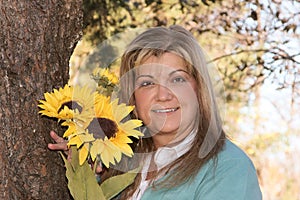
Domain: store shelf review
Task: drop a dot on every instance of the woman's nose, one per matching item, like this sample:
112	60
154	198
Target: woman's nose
163	93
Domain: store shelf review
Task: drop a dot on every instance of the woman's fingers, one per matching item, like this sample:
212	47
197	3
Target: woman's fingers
60	144
56	138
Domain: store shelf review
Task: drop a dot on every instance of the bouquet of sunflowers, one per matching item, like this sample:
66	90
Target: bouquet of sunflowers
96	130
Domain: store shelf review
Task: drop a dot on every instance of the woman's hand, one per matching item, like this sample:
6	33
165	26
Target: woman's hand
59	145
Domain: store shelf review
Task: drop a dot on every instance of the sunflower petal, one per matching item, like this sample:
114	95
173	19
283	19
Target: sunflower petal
86	137
70	131
105	158
83	154
132	124
126	149
96	148
121	138
75	141
120	111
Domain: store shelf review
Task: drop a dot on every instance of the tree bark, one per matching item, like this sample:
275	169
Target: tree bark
37	39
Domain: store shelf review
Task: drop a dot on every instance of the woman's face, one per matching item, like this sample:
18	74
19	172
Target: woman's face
166	98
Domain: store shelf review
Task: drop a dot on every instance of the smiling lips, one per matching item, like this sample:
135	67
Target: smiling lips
166	110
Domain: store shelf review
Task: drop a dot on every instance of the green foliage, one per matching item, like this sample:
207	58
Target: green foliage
81	179
236	33
104	18
115	184
83	185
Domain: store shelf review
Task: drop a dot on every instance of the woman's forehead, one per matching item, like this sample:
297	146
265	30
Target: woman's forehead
157	69
166	63
167	58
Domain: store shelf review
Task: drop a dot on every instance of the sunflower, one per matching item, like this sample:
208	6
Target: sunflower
69	102
106	80
72	127
105	73
107	134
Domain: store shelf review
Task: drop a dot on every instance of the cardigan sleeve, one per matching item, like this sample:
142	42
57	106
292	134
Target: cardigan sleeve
232	179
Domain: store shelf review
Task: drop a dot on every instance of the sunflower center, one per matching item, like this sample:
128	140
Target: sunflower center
101	127
71	105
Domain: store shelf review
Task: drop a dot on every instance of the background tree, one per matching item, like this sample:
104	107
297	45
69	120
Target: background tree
248	40
37	39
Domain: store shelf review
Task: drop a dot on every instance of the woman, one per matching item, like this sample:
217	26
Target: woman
185	154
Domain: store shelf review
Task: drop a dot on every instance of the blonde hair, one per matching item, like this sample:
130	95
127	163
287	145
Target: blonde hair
210	136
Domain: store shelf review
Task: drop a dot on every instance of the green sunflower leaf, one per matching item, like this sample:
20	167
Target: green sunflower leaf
82	183
114	185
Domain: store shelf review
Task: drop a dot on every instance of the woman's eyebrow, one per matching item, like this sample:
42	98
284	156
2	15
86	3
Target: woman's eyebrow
144	75
179	70
170	74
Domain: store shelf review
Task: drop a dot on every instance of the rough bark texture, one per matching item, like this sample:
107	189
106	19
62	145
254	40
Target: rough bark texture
37	39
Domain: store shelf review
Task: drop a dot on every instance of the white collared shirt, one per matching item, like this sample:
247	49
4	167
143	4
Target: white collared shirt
163	156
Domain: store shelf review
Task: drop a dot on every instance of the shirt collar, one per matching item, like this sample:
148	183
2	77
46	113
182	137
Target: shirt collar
165	155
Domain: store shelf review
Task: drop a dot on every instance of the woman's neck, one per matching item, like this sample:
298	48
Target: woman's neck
168	139
161	140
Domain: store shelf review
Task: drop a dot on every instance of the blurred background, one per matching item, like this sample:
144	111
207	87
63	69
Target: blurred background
253	47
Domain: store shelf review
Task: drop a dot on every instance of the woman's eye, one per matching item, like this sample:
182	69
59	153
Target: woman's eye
178	80
145	83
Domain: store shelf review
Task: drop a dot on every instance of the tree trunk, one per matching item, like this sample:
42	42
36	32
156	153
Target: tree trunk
37	39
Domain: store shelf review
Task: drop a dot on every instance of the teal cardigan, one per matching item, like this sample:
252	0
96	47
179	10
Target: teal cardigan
233	178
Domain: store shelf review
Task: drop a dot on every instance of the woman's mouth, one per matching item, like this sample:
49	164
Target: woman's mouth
165	110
